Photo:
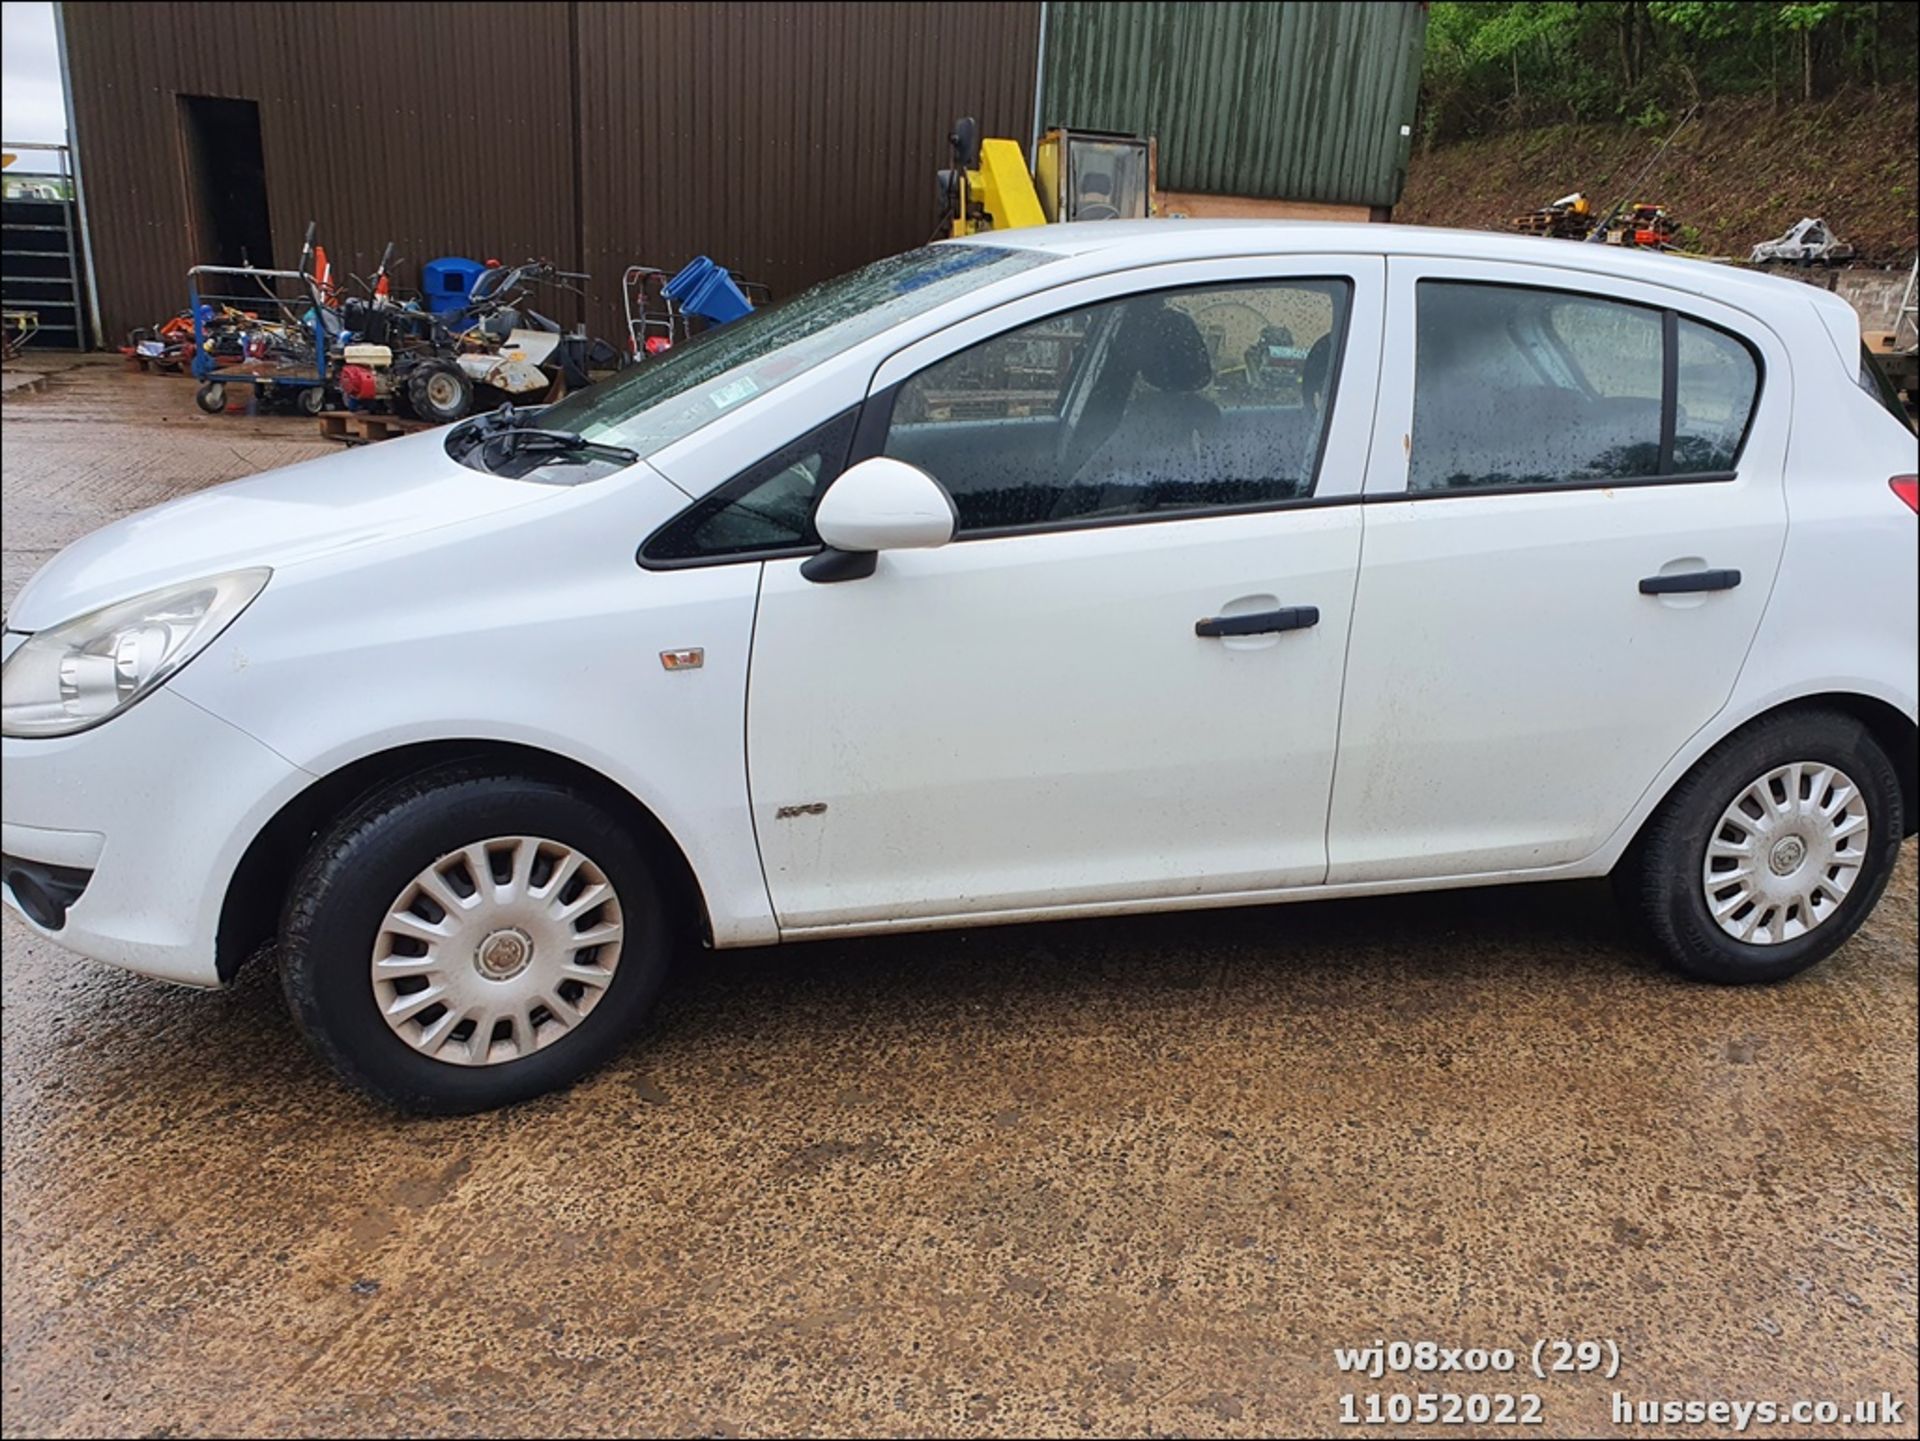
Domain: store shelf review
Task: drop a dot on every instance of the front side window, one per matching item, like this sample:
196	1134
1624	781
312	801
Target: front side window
1516	386
1161	403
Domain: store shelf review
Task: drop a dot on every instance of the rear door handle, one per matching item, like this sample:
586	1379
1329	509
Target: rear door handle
1690	581
1291	617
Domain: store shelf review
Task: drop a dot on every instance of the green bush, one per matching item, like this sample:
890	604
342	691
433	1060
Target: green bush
1492	64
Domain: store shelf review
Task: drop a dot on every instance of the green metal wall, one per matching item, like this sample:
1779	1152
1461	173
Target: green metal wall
1302	100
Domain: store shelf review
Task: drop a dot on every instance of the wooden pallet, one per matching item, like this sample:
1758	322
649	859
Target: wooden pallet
363	427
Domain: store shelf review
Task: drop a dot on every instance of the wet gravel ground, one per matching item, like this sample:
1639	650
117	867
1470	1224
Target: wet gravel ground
1124	1176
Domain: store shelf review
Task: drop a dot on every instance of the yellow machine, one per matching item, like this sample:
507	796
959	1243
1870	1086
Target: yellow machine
1076	175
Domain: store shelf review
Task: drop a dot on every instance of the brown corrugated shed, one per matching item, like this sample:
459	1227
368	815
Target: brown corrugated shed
789	141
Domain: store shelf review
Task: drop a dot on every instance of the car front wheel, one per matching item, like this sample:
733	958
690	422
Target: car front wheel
1771	851
465	940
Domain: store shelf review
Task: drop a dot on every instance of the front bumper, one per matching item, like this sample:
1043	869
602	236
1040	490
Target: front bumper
159	804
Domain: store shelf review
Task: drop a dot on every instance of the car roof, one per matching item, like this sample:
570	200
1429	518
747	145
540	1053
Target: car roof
1172	239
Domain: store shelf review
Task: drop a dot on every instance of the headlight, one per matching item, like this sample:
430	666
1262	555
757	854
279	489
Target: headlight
75	675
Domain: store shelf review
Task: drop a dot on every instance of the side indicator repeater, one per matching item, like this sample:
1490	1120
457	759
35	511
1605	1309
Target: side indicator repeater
690	659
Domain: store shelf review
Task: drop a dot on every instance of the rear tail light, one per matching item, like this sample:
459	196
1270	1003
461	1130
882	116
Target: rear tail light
1907	487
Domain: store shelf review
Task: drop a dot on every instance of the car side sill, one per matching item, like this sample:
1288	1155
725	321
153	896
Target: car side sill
1214	900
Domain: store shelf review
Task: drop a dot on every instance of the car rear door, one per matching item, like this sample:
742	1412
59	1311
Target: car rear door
1576	510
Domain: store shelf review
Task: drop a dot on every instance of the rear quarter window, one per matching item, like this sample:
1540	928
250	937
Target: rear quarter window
1717	384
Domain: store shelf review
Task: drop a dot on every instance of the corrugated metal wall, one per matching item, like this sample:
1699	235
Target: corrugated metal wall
443	127
1303	100
790	141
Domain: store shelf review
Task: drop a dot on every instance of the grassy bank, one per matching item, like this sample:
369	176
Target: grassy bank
1741	172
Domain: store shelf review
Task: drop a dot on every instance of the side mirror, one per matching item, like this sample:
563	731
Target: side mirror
879	504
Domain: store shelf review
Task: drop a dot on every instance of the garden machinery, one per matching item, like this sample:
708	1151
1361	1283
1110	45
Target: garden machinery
395	355
440	367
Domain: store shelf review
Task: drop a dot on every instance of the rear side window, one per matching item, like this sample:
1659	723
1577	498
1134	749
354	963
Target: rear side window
1515	386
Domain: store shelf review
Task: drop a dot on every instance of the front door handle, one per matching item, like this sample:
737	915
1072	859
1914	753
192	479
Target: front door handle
1291	617
1692	580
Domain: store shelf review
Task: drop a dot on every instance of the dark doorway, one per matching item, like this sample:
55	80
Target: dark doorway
227	181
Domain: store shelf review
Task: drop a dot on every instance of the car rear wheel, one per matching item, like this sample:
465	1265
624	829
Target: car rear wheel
1771	851
468	939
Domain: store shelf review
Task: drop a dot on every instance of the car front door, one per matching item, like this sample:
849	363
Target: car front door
1120	682
1576	511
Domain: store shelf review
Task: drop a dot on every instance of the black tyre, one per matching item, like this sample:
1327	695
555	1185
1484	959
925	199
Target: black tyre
312	399
438	989
1770	852
439	391
211	397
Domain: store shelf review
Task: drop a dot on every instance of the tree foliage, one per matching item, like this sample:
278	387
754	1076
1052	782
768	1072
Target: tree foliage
1495	63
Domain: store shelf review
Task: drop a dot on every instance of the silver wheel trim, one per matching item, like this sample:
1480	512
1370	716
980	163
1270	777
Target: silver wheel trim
1784	854
442	390
496	950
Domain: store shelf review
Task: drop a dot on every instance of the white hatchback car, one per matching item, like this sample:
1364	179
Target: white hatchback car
1072	571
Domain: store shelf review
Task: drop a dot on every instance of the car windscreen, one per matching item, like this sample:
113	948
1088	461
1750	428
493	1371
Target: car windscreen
668	397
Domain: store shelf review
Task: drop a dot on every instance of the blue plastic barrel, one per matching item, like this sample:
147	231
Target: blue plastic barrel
705	289
446	282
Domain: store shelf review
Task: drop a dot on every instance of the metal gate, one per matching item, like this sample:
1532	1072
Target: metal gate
40	272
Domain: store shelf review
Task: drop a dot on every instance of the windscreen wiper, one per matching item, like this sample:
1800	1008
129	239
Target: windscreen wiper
522	438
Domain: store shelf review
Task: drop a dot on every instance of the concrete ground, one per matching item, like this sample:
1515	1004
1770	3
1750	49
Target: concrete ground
1128	1176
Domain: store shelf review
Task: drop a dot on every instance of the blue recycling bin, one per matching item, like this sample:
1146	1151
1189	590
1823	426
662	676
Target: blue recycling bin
445	283
705	289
